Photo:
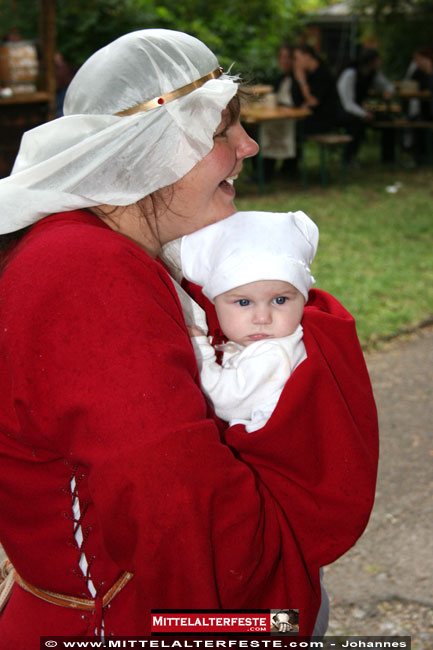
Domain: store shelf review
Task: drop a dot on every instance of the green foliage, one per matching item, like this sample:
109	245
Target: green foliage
245	33
20	16
401	26
84	26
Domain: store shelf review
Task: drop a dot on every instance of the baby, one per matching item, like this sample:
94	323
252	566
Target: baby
254	266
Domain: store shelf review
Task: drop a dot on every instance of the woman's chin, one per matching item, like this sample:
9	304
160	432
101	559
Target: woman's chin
225	212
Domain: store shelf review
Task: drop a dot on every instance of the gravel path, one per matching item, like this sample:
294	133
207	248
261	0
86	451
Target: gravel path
384	584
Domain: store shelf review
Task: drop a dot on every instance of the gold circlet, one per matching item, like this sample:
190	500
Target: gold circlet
157	102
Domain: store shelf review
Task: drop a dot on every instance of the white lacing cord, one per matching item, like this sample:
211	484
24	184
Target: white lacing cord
83	563
78	534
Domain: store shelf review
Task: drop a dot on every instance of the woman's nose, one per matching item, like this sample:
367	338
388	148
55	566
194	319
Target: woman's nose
246	147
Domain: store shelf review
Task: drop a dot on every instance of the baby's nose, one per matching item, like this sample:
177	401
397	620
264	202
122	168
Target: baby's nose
262	315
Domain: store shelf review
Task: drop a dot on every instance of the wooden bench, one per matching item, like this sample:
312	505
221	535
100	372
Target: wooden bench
327	141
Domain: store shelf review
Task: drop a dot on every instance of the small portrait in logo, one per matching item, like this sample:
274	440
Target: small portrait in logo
285	622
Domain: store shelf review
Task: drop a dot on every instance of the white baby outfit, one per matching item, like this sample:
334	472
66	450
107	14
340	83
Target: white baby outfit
246	247
246	388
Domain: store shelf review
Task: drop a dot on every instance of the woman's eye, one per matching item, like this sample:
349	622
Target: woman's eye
280	300
243	302
222	133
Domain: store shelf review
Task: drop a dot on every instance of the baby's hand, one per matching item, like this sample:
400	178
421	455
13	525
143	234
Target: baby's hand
193	330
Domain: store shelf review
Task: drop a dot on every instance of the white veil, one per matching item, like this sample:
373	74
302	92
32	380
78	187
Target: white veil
92	156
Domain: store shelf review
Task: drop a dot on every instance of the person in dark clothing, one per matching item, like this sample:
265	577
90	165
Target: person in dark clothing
417	109
420	71
314	86
354	85
425	64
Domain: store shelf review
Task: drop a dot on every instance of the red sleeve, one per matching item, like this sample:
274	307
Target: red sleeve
200	522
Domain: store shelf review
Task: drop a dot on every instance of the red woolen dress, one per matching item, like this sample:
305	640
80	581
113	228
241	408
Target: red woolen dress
111	461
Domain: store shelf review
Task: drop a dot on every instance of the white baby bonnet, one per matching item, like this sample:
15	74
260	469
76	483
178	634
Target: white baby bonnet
251	246
92	156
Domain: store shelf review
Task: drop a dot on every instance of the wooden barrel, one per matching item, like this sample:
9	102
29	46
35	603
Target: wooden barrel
19	66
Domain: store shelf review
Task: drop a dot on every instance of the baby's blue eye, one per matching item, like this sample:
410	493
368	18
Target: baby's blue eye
243	302
280	300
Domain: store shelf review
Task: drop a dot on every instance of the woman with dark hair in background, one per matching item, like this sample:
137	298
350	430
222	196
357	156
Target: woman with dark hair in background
315	87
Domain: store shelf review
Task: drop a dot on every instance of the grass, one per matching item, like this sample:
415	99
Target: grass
375	250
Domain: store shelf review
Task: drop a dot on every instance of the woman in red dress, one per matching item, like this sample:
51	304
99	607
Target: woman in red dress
121	491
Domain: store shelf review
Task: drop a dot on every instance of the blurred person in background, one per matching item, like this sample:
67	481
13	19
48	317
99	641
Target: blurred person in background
419	108
278	138
354	86
315	88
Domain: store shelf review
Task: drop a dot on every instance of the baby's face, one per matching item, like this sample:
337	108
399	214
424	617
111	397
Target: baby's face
259	310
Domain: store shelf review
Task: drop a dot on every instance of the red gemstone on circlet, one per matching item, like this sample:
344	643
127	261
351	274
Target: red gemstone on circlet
160	100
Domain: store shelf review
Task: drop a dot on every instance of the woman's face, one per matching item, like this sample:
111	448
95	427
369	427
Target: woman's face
206	193
201	197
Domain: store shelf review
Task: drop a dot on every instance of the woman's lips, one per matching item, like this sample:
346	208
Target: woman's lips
228	188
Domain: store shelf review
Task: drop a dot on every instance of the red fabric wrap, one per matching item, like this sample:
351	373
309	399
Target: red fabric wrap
98	380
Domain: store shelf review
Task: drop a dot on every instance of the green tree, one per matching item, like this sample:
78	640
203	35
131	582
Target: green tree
401	26
20	16
244	33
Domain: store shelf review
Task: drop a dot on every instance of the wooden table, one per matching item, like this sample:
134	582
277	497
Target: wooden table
413	94
25	98
390	116
257	90
395	105
391	108
256	114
